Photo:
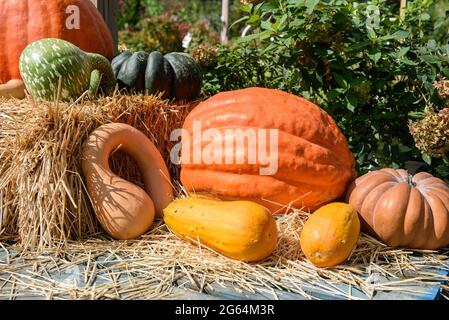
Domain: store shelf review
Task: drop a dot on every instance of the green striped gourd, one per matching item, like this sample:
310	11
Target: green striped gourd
43	63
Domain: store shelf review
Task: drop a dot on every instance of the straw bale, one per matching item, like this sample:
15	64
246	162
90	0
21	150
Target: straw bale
43	200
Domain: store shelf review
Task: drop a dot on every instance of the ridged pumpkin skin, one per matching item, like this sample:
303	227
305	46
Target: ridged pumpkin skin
132	70
240	230
159	75
174	75
330	234
26	21
315	164
187	76
403	210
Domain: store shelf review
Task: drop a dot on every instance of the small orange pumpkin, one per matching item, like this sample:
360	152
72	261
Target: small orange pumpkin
403	210
330	234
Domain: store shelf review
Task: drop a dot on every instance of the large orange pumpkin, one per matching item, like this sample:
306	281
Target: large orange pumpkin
401	209
25	21
314	163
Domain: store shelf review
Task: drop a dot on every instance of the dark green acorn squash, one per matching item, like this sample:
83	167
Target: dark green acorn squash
187	76
119	61
176	75
158	75
132	71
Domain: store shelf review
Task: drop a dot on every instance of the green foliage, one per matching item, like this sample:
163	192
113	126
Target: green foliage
128	15
132	11
193	11
428	19
154	34
238	67
370	72
152	8
203	33
139	18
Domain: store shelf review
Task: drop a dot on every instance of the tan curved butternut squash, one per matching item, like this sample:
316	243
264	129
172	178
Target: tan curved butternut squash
124	210
240	230
13	89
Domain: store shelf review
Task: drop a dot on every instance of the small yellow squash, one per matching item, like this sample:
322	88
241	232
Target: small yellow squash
240	230
330	234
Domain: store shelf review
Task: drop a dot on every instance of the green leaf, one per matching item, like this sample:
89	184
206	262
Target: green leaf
353	102
254	19
353	61
359	45
403	148
341	81
311	4
246	8
446	72
371	34
239	21
425	16
403	51
432	44
258	6
375	57
282	23
271	46
409	62
416	115
266	25
445	159
427	159
442	170
350	107
332	95
398	35
430	59
251	37
270	5
297	23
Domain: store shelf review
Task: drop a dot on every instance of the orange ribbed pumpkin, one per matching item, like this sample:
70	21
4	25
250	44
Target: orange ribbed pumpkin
403	210
314	162
26	21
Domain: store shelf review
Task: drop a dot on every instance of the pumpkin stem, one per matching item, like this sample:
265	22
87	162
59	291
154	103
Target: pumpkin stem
102	76
410	180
